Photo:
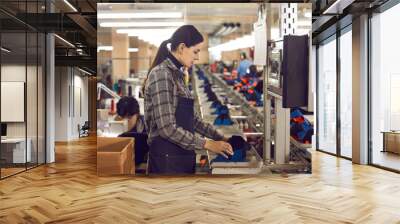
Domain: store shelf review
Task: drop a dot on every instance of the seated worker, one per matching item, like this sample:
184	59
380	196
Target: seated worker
128	108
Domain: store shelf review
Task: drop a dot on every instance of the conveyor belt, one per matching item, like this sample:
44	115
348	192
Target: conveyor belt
254	163
255	114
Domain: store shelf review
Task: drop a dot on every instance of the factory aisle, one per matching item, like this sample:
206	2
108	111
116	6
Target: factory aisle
71	192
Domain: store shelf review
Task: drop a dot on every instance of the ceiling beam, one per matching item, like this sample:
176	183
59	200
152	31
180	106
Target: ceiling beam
82	61
84	24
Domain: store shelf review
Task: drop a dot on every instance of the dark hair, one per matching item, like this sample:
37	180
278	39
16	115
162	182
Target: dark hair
253	70
127	106
187	34
243	55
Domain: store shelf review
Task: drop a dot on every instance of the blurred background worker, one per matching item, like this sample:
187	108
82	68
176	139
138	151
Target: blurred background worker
244	64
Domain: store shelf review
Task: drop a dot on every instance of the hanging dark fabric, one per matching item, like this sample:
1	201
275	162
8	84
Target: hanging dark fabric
295	67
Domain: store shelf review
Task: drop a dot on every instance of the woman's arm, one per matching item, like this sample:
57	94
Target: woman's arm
207	129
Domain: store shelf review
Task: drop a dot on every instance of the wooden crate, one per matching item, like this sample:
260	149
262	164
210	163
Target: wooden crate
115	156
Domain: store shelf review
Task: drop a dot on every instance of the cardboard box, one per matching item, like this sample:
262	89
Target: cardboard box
115	156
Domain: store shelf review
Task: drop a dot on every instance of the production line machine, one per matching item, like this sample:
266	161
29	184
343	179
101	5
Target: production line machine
247	120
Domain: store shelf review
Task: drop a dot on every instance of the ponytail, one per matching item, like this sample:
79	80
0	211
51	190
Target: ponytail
161	55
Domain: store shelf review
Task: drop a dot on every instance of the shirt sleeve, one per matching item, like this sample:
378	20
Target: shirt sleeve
162	95
206	129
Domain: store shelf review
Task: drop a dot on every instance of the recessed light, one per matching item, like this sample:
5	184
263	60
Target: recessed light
64	40
86	72
5	50
70	5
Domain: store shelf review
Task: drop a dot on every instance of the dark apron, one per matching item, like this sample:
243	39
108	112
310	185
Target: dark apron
166	157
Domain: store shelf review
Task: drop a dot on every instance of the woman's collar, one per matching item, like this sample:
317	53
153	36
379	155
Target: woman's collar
175	61
173	67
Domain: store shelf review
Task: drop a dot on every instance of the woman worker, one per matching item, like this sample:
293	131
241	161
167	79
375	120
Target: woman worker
169	108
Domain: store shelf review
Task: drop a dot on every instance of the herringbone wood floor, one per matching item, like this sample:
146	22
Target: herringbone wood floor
70	192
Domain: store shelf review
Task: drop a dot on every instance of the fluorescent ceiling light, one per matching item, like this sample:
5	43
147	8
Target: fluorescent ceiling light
138	32
5	50
155	40
65	41
164	36
139	15
226	31
234	29
110	48
154	36
70	5
104	48
239	43
140	24
133	49
221	30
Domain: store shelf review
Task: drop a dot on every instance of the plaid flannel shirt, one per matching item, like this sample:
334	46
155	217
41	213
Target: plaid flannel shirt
164	85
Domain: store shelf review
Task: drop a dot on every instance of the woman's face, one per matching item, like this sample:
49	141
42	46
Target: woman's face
189	54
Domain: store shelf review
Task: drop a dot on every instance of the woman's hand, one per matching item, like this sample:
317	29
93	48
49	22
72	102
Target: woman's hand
219	147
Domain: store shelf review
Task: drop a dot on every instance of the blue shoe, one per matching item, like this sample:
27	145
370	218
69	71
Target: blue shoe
238	156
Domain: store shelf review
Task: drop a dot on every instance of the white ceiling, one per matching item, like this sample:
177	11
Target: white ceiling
207	17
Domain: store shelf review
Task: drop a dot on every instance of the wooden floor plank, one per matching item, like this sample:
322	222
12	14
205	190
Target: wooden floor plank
69	191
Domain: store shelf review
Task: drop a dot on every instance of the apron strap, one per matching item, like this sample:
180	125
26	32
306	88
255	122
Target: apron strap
181	91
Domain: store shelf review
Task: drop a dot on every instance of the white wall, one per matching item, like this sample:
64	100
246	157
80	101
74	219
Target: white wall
80	100
61	103
69	85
